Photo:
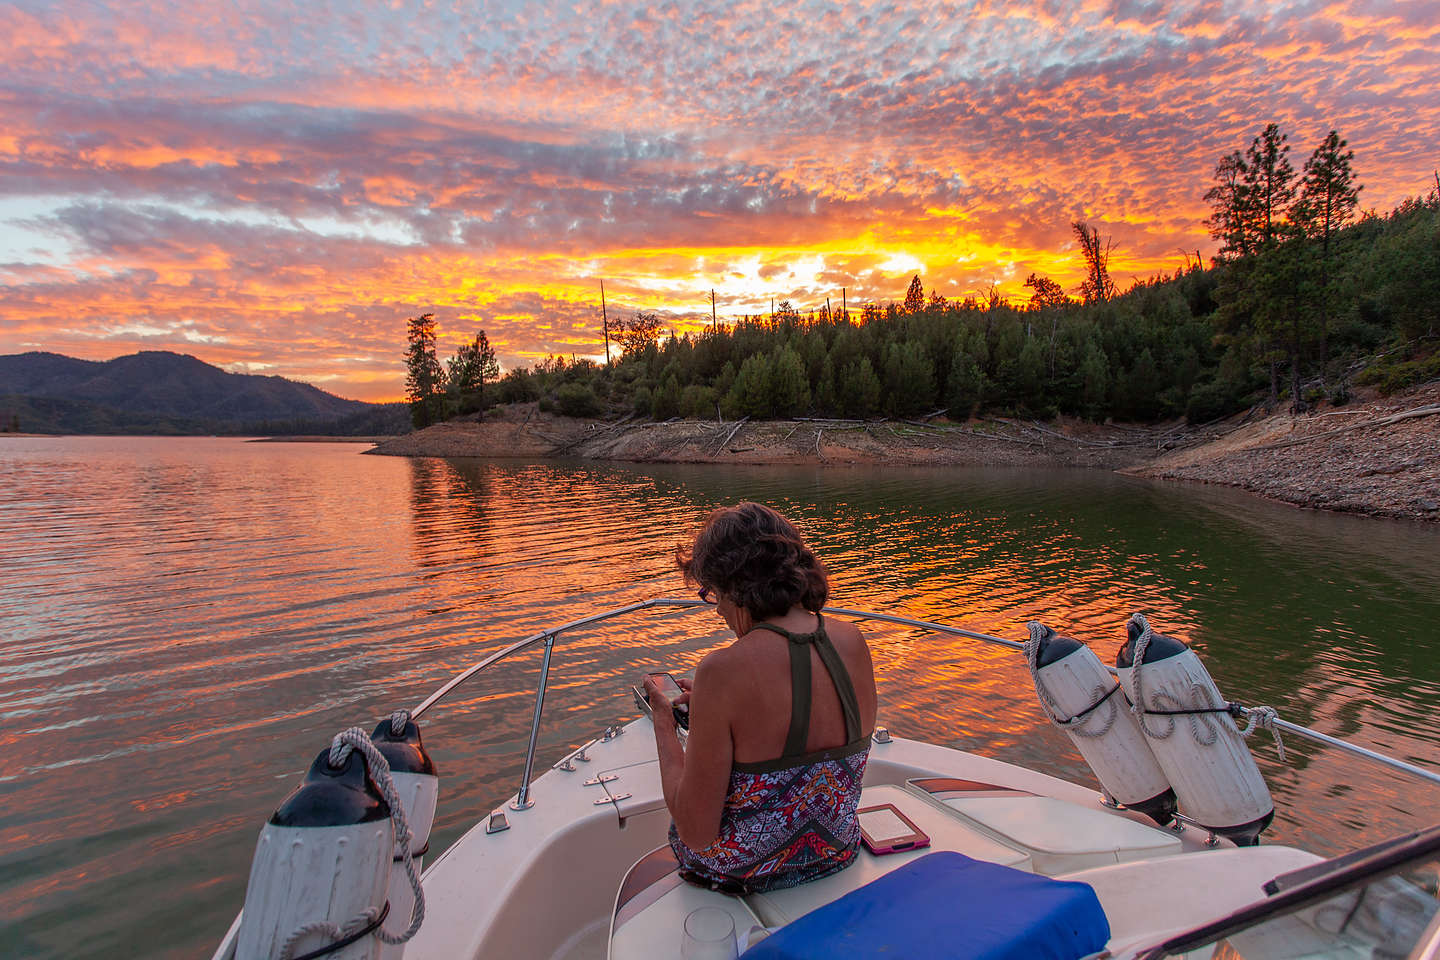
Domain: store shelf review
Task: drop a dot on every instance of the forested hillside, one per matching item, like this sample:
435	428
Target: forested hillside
1305	299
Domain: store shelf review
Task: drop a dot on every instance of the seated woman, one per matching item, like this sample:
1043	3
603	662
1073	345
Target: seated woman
764	796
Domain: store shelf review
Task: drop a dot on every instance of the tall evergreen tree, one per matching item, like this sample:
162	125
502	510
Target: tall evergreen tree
1232	221
473	366
1327	200
859	389
423	376
965	387
1328	191
1269	184
915	296
789	386
749	396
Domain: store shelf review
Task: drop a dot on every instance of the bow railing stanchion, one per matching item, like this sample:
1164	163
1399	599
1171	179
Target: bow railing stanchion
522	799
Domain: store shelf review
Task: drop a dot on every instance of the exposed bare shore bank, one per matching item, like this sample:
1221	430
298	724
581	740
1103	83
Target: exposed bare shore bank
522	432
1379	457
1383	469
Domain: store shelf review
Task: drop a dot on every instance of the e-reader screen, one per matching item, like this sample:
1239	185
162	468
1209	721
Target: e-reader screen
882	824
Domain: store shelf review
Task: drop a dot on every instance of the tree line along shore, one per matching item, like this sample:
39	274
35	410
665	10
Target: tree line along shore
1308	304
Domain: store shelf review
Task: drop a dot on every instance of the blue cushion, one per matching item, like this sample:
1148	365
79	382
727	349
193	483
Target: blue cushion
946	905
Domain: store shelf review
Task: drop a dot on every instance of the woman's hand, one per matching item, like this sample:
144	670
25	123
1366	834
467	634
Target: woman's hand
684	683
661	712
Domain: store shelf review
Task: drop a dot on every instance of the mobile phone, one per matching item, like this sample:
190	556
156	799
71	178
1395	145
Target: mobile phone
884	829
671	689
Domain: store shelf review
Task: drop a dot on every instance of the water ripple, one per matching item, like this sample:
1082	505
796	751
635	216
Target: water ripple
188	621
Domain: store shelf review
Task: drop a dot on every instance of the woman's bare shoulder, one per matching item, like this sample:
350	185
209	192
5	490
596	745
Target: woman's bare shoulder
843	632
717	666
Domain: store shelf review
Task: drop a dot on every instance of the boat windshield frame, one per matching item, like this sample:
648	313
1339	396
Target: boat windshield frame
1351	871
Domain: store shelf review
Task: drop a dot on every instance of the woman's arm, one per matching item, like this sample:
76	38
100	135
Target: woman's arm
695	779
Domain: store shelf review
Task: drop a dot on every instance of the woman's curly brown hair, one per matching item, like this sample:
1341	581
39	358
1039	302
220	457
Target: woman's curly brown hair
756	558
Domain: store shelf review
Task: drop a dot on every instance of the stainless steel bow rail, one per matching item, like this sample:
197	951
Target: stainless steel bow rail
522	799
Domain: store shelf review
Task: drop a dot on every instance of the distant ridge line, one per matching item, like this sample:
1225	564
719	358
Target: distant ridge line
166	392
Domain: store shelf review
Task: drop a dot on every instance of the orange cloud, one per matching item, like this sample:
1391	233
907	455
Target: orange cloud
269	186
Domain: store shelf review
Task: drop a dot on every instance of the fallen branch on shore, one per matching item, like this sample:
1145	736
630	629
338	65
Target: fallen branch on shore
1382	422
565	446
726	442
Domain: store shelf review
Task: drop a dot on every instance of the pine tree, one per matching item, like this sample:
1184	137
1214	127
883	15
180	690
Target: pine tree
1047	293
1327	200
789	386
859	389
909	380
1094	379
473	366
665	402
1328	191
825	395
965	387
750	394
423	376
1269	184
915	296
1231	199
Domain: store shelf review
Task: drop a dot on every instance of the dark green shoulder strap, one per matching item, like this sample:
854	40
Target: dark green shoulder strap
799	645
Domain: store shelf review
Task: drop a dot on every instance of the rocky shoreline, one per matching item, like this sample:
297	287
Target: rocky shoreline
1378	457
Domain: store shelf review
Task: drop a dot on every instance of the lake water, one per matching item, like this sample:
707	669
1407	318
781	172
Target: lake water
186	622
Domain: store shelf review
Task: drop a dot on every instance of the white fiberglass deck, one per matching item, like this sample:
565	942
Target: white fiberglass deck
547	886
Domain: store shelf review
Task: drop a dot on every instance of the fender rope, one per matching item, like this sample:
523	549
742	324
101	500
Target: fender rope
1256	718
345	743
1052	709
1263	718
398	720
1201	727
375	918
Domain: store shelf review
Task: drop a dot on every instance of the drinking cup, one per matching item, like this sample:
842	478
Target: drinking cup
709	935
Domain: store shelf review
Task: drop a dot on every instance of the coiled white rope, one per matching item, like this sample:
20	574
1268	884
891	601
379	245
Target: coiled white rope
1075	724
341	747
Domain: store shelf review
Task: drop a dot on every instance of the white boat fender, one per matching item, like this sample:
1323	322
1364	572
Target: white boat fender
1189	728
1080	697
398	739
322	863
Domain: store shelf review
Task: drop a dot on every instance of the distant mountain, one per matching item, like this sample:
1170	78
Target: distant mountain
162	392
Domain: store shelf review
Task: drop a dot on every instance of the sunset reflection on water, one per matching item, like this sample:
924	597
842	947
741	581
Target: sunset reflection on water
189	621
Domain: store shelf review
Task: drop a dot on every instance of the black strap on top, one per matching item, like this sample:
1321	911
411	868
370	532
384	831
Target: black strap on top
800	684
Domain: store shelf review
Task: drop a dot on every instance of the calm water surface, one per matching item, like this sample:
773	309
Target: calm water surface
186	622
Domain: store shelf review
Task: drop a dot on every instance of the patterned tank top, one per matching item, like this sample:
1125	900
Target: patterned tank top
789	820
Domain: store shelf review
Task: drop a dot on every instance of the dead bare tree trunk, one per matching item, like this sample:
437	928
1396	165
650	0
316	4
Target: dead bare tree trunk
1098	287
605	319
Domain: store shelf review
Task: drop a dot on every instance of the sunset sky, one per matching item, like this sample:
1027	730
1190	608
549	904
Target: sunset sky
274	187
